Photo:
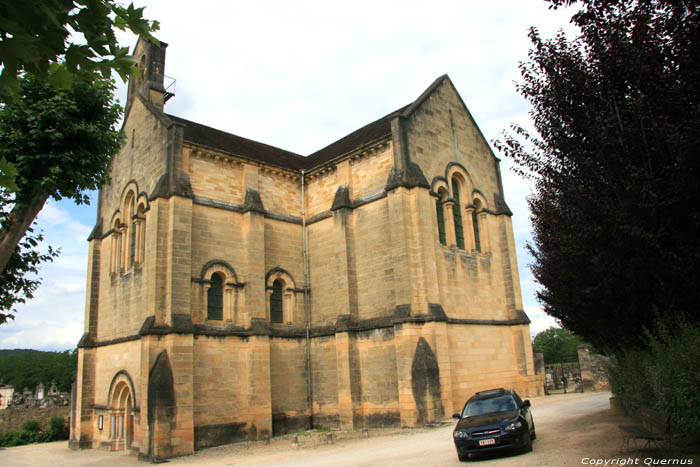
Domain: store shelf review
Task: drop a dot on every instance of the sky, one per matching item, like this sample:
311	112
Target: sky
300	75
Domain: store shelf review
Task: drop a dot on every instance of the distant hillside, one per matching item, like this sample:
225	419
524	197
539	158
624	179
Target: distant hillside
9	352
26	368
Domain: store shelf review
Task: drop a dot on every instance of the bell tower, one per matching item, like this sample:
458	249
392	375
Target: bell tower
150	82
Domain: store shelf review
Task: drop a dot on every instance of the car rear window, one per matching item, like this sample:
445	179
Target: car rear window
494	404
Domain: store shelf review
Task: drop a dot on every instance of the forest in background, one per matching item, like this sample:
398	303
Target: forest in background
22	368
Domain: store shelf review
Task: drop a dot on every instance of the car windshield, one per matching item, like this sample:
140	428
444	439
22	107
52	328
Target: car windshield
494	404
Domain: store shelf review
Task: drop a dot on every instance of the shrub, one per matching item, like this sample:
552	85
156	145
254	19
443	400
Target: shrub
627	374
666	377
21	437
675	377
32	433
32	425
58	429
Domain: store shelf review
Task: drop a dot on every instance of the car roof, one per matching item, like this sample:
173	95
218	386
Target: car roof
492	393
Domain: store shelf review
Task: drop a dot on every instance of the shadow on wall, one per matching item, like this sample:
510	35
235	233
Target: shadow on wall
425	382
161	406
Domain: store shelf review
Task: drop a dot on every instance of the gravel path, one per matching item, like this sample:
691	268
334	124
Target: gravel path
572	429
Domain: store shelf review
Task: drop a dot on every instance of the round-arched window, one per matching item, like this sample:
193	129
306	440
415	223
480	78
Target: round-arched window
215	298
276	309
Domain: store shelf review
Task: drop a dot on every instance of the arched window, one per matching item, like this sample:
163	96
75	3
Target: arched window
115	254
215	298
475	223
440	221
219	296
457	212
140	234
276	308
128	229
132	241
129	238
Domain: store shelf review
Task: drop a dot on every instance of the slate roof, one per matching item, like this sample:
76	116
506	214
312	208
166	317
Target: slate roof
236	145
232	144
239	146
358	138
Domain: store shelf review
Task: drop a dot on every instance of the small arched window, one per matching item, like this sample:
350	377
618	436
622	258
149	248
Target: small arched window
215	298
116	265
128	242
276	308
140	234
475	223
457	213
440	221
132	241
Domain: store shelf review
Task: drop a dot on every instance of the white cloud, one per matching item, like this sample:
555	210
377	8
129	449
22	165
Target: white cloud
539	320
41	335
51	215
53	319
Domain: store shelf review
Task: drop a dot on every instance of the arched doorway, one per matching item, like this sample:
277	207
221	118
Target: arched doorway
121	417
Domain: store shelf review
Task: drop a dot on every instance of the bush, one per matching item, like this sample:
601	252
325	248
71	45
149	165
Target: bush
32	433
627	373
22	437
58	429
666	377
675	378
32	425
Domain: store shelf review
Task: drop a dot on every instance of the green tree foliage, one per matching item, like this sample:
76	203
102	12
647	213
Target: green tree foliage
9	352
61	142
34	367
665	376
62	39
40	36
615	211
557	344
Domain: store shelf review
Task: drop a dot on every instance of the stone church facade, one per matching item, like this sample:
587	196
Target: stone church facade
239	291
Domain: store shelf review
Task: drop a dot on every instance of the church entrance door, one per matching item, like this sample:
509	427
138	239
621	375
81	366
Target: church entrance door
121	418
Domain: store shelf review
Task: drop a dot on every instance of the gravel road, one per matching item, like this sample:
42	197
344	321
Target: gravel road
572	429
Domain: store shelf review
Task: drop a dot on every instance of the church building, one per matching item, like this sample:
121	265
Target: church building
238	291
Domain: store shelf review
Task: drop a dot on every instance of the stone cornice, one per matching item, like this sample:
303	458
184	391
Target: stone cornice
368	150
182	324
202	152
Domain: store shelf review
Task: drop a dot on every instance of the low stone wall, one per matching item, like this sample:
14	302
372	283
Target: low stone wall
593	370
14	419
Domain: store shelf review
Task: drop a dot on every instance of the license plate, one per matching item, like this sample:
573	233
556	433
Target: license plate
487	442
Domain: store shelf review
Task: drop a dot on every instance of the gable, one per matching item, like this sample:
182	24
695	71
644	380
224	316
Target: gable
440	131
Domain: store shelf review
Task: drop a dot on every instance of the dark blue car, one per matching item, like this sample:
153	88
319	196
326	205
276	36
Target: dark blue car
493	420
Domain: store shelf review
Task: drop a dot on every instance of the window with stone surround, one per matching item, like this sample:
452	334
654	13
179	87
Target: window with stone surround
441	216
218	296
457	214
276	305
475	225
128	231
129	239
140	235
281	291
215	298
115	238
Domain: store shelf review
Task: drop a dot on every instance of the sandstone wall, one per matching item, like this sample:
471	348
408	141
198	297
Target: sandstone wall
288	388
14	419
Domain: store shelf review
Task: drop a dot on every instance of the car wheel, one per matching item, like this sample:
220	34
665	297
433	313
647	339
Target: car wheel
463	457
528	443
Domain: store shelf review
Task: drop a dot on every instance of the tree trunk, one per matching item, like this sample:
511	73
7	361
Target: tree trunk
19	220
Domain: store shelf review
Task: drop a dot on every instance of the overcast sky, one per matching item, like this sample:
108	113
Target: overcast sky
300	75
